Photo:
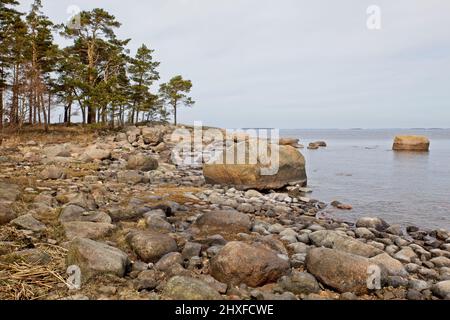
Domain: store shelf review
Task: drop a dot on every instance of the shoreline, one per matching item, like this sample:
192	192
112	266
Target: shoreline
108	190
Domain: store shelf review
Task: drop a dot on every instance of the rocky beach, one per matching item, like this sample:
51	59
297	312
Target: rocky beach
111	209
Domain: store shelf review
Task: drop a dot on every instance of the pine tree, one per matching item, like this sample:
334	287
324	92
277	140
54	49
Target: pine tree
174	93
96	28
142	73
9	18
42	54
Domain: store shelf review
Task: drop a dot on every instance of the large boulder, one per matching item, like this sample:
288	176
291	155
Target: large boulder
342	271
223	222
255	265
333	240
187	288
255	172
151	246
96	258
411	143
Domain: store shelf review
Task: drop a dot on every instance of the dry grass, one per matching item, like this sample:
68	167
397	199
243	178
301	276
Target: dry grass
22	280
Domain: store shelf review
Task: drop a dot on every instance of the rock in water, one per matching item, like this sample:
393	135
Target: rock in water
151	246
187	288
96	258
411	143
342	271
255	265
290	142
257	174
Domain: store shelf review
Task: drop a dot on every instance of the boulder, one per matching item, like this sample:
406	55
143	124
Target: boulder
290	142
442	289
52	173
375	223
28	222
441	262
151	246
152	136
333	240
405	255
299	283
129	177
9	192
392	266
96	153
411	143
223	222
142	162
320	143
342	271
255	265
96	258
88	230
6	214
248	175
73	212
187	288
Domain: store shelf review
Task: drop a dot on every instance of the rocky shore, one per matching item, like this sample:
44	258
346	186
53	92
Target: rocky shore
139	227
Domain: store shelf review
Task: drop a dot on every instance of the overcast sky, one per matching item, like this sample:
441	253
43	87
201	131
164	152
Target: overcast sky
295	63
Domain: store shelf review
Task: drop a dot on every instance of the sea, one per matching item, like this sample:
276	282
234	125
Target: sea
358	167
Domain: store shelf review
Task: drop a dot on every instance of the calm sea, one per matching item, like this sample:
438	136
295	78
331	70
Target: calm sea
358	167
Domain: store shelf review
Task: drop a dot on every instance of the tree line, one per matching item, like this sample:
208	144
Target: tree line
94	77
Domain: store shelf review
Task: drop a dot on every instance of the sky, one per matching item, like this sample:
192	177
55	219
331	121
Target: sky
295	63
